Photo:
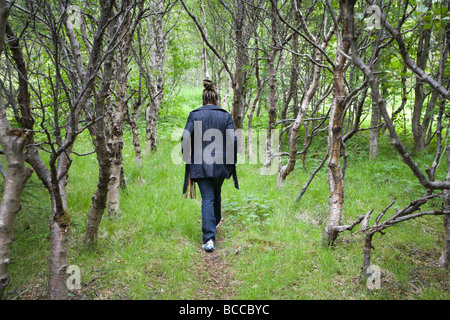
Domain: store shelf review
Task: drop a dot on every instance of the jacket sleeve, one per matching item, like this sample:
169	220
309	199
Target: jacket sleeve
186	140
232	138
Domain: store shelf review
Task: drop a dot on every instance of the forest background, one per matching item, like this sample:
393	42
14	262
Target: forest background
341	109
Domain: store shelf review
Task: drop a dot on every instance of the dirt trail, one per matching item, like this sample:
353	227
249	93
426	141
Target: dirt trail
214	271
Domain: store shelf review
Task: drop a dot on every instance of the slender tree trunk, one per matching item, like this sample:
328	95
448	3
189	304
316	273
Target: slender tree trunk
132	120
367	252
239	77
59	238
293	137
292	92
204	57
99	136
404	99
117	126
335	174
150	120
374	132
252	154
273	98
294	134
444	259
226	97
100	197
157	86
12	142
160	49
135	132
423	49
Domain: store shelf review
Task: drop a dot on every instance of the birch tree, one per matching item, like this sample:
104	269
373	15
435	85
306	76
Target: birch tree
426	179
12	141
126	29
335	133
71	86
319	47
155	75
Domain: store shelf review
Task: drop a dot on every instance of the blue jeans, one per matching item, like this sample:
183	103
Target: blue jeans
210	189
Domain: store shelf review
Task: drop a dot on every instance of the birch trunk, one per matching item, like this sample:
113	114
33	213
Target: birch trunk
118	118
12	142
294	133
239	76
59	239
135	132
116	139
99	135
444	259
335	174
272	90
374	132
375	118
204	58
157	86
226	97
252	154
132	120
423	49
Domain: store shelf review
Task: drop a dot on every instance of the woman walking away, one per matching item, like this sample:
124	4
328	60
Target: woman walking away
209	147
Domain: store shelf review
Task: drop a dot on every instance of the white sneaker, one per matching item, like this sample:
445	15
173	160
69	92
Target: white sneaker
209	245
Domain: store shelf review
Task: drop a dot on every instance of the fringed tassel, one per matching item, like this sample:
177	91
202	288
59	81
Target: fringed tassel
191	190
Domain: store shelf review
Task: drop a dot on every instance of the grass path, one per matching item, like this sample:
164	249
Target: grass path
214	272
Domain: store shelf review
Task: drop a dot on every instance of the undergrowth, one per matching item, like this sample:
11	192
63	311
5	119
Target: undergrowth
271	245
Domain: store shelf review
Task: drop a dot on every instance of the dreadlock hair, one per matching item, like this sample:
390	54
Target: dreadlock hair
210	95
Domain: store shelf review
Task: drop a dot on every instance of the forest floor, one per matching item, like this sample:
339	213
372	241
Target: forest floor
268	246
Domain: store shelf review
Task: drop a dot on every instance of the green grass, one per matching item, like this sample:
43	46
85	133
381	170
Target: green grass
271	245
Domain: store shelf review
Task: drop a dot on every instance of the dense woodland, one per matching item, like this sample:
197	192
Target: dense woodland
305	73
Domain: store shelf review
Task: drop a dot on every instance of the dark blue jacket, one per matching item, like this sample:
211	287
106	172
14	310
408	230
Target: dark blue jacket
209	145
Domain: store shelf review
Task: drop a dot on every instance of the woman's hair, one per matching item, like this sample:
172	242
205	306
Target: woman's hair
210	95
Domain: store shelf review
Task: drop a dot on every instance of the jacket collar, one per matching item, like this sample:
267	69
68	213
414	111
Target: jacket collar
209	107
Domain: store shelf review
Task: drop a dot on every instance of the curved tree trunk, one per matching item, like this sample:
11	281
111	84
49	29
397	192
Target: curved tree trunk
335	174
99	135
294	133
12	142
